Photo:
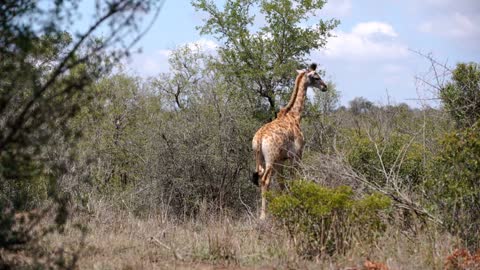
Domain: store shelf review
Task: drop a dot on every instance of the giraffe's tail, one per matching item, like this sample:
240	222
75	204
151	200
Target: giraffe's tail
255	177
258	163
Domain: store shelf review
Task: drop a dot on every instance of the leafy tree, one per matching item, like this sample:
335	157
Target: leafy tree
139	142
455	186
188	65
360	105
44	74
326	102
117	128
320	124
461	96
261	59
45	71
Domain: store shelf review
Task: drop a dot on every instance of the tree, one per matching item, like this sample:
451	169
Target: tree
262	58
188	65
454	187
360	105
326	102
461	96
44	77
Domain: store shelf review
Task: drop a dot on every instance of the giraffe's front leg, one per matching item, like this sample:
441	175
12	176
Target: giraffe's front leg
280	178
297	155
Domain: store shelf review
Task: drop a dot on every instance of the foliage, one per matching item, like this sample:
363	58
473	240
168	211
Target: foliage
325	103
461	96
360	105
44	76
454	186
322	220
112	128
180	151
319	123
32	116
381	160
263	58
188	66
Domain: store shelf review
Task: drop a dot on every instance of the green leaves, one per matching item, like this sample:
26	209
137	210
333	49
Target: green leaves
397	156
455	186
264	41
324	219
45	74
461	96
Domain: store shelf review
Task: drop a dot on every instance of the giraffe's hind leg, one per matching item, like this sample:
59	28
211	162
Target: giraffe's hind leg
264	188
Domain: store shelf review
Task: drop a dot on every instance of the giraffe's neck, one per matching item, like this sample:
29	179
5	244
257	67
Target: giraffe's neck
294	93
299	102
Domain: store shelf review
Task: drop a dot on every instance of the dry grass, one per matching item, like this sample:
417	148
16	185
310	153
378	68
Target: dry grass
119	240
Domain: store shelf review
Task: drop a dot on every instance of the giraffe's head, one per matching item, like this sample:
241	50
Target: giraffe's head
312	78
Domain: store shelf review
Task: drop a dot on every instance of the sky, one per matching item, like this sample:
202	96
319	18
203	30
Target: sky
373	51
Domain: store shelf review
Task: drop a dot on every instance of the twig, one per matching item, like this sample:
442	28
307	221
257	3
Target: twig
160	243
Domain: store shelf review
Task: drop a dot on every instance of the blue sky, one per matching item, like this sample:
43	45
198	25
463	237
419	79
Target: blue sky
371	53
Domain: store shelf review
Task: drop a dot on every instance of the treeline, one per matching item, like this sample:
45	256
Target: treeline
181	140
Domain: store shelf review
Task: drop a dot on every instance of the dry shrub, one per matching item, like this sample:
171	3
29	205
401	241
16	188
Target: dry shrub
462	259
221	246
372	265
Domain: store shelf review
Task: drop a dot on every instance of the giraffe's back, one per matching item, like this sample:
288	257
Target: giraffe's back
279	139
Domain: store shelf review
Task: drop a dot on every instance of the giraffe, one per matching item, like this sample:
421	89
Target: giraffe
282	139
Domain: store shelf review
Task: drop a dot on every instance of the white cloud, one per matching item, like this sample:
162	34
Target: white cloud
336	9
203	44
456	25
449	5
426	27
149	64
366	41
452	19
164	53
373	28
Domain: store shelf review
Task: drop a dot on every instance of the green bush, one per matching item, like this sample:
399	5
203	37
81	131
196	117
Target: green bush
455	185
363	158
323	220
461	96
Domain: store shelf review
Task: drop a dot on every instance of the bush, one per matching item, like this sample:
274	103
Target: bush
322	221
144	151
455	185
363	158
